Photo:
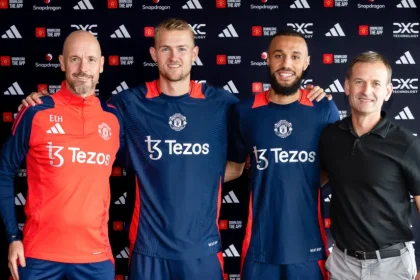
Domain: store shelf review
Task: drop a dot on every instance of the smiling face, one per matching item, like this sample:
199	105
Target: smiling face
367	87
287	60
82	62
174	52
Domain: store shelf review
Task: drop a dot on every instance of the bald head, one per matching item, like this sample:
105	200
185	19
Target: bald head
82	61
83	37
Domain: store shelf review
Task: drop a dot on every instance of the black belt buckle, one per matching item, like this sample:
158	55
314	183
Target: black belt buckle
361	255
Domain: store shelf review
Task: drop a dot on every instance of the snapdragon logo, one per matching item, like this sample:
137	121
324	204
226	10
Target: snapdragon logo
156	7
281	156
175	148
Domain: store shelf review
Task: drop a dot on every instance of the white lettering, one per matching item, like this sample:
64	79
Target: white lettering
205	149
77	155
187	149
155	148
178	149
293	153
195	151
91	159
57	119
260	158
56	154
281	156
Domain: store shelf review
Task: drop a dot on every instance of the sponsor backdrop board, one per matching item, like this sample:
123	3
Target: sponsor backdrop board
233	36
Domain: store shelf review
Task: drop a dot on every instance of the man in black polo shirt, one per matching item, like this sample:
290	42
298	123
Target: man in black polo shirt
373	166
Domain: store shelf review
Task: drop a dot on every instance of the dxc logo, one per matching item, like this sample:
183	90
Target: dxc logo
87	27
302	28
404	84
406	28
196	29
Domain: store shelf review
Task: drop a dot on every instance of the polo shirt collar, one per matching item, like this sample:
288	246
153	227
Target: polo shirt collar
381	128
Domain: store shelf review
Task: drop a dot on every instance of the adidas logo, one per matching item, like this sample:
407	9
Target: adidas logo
335	87
121	87
230	198
406	59
328	198
11	33
56	129
229	31
20	199
121	200
231	87
124	254
336	31
197	62
121	32
83	5
300	4
14	89
192	4
231	252
407	4
405	115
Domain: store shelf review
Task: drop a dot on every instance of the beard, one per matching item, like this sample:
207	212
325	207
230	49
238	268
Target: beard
285	90
82	87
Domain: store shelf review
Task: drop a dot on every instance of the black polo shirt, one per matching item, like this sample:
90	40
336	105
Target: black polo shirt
371	178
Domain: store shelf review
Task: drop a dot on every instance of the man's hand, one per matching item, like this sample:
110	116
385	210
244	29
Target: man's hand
317	93
417	276
16	253
33	99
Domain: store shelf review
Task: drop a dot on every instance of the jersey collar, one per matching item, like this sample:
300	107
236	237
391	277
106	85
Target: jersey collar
70	98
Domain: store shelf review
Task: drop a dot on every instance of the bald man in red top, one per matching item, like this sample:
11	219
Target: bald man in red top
69	142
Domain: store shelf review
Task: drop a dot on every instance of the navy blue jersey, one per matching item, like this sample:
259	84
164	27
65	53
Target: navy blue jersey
282	140
178	149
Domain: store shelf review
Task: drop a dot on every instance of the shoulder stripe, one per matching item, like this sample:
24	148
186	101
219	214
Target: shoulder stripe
304	98
111	106
196	90
18	118
260	99
152	89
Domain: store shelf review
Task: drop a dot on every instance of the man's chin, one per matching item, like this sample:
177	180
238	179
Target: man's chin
82	88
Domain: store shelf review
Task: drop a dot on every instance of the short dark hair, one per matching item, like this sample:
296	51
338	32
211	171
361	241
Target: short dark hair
288	33
370	57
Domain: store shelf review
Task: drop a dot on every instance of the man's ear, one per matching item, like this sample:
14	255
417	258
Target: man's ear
152	52
62	64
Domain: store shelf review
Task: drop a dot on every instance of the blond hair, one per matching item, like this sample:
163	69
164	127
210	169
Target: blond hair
370	57
174	24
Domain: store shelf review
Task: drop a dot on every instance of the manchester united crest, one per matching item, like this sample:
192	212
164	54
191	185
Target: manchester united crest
177	122
104	131
283	128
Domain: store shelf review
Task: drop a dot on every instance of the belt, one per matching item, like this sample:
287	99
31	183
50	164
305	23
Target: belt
388	252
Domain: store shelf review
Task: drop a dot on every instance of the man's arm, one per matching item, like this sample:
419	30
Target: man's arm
12	154
233	170
411	168
417	201
236	148
324	178
32	99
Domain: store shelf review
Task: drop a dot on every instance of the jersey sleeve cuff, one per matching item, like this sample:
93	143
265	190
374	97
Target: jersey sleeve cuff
14	237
